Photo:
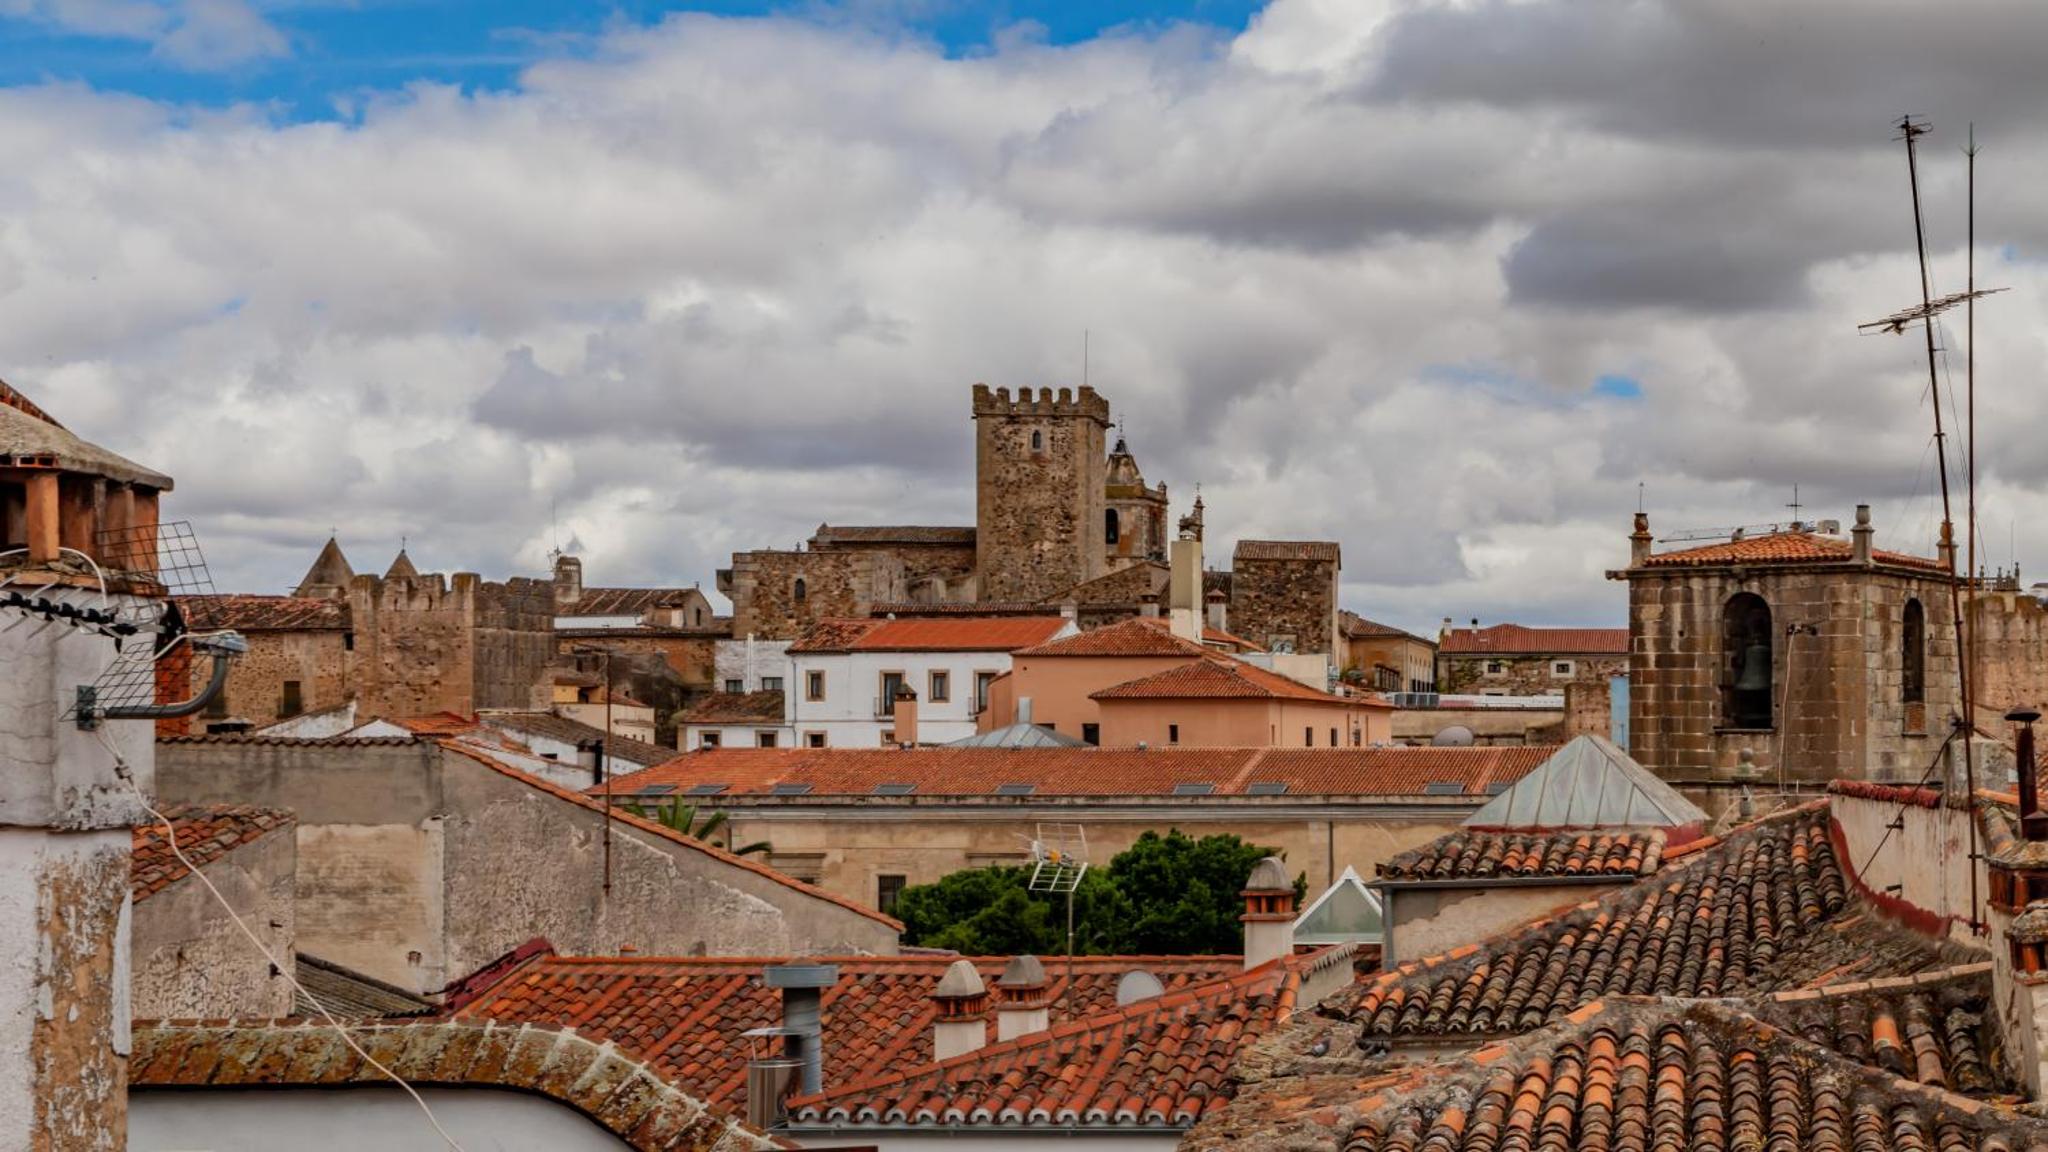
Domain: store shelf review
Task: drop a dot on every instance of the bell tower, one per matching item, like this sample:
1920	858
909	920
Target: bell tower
1041	465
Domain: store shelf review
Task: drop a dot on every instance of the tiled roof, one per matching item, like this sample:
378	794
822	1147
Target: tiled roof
1285	550
1758	910
1929	1028
1468	855
1138	636
1158	1063
735	708
684	1016
1212	679
270	613
437	724
567	731
621	1095
918	608
344	740
1516	640
1781	548
933	634
206	832
625	601
978	772
12	398
29	438
348	994
1629	1075
1357	627
842	534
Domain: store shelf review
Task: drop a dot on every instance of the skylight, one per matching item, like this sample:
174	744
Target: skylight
1193	788
657	790
1444	788
791	788
1015	789
894	788
1266	788
707	789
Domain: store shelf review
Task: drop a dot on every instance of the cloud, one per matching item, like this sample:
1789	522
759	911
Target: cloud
1446	284
196	35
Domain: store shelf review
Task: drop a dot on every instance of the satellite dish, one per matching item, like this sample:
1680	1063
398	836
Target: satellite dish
1138	985
1456	736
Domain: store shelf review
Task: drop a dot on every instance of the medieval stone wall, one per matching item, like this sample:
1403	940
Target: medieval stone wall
932	573
1532	675
765	596
1273	599
691	656
1838	706
1040	476
319	661
2011	653
513	642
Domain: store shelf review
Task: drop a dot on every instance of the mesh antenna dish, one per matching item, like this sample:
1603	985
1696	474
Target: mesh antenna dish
1059	858
1456	736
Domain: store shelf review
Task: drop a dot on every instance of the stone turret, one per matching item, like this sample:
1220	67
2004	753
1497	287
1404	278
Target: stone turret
328	578
1041	477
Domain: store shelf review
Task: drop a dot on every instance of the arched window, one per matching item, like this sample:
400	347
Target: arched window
1113	533
1913	654
1037	440
1748	685
799	592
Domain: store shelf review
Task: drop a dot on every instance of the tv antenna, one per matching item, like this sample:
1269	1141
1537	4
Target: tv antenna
1059	858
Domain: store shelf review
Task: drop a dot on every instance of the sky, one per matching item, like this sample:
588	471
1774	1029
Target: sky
1455	284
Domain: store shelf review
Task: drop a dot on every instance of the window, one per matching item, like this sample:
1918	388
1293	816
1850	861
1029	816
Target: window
888	887
814	739
1037	440
892	684
1266	788
799	591
941	688
981	682
705	789
888	737
1747	687
656	790
1562	668
735	686
707	739
1496	667
1110	533
814	685
791	788
1333	737
1193	788
771	683
1173	733
1443	788
348	641
293	702
1091	733
1015	789
764	739
697	616
895	788
1308	737
1913	658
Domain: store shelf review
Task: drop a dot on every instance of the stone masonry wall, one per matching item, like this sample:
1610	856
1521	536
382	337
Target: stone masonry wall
1273	598
319	661
836	584
941	573
2012	653
1039	510
514	643
1532	675
415	650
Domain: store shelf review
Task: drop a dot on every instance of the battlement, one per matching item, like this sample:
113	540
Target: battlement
1086	404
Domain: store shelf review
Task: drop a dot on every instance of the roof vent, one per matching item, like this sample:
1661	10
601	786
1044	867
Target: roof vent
1138	985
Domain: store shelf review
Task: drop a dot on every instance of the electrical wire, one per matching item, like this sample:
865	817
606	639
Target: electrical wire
127	776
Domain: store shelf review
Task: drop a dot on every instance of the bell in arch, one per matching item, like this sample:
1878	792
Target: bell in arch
1755	675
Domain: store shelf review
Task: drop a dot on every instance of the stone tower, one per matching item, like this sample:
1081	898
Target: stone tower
1134	530
1041	470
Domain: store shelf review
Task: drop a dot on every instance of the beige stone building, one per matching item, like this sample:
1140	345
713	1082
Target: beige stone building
862	824
1385	658
1514	660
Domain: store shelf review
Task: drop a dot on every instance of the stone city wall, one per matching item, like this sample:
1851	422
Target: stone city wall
1276	598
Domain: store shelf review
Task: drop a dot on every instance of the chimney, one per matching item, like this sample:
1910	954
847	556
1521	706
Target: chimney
1639	541
1268	914
1023	710
1219	610
1148	605
961	998
903	715
1021	1004
800	1066
1070	609
2016	907
568	580
44	533
1861	534
1184	588
2033	822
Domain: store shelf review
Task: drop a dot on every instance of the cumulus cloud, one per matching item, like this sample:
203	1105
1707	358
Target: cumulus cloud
1357	271
199	35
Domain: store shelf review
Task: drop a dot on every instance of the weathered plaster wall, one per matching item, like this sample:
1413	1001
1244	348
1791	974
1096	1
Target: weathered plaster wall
1929	856
1430	921
191	962
1039	507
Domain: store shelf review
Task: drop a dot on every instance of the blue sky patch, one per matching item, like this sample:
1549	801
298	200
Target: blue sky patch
1617	387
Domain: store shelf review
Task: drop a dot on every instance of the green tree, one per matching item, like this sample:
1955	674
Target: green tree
682	818
1171	895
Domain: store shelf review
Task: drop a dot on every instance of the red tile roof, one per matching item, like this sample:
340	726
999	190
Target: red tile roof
626	601
1091	771
1499	855
735	708
12	398
622	1096
1929	1028
1159	1063
1755	911
1781	548
830	535
684	1016
1357	627
268	613
1516	640
1286	550
1225	679
438	724
206	832
1138	636
930	634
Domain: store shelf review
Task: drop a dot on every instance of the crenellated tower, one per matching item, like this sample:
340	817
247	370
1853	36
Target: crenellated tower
1041	470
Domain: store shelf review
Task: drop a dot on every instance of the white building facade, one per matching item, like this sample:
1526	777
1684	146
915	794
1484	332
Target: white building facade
845	679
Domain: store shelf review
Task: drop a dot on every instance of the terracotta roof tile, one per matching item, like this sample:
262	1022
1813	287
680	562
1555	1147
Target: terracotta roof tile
626	601
1285	550
627	1099
1223	679
206	832
438	724
1138	636
267	613
735	708
1932	1031
929	634
1470	855
684	1016
1758	909
1516	640
1781	548
1091	771
1357	627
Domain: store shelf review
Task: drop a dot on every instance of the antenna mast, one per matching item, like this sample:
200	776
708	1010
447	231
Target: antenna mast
1970	414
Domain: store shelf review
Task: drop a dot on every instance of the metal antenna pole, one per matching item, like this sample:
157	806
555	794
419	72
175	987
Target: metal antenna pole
1911	132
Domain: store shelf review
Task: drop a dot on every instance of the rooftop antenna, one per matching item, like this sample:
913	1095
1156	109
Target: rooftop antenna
1639	495
1059	856
1795	506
